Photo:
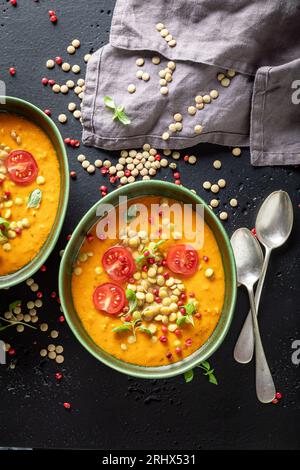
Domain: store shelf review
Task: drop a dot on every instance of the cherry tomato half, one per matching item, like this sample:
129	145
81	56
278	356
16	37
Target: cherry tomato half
109	298
22	167
118	262
183	259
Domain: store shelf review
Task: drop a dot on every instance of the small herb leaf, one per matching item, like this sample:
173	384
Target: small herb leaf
132	300
34	199
188	375
109	102
143	329
125	327
4	222
190	309
14	304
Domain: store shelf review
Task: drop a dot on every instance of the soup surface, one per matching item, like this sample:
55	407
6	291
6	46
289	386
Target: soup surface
144	299
29	190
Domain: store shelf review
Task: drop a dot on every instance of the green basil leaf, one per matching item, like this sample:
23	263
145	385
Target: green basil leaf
121	328
143	329
34	199
14	304
4	222
190	309
182	320
205	365
212	378
109	102
130	294
188	376
123	118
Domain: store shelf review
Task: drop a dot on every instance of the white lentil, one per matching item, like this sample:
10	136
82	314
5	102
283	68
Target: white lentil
172	127
217	164
206	185
66	67
139	62
56	88
77	114
214	94
54	334
225	82
230	73
76	43
223	215
43	352
206	99
236	151
233	202
64	89
76	68
80	82
165	136
178	126
192	110
91	169
155	60
220	76
85	164
34	287
192	159
160	26
62	118
81	158
44	327
71	49
209	272
198	129
59	359
222	183
87	57
72	106
164	90
50	64
131	88
20	328
172	43
214	203
164	162
200	105
215	188
145	76
78	90
139	74
198	99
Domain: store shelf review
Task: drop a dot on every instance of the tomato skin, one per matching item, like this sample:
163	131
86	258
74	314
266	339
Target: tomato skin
183	259
22	167
118	262
109	298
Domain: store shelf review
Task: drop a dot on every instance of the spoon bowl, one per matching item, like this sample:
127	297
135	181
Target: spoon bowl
275	220
248	256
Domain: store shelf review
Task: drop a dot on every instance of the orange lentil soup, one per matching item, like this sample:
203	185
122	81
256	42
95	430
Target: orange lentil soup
29	190
132	303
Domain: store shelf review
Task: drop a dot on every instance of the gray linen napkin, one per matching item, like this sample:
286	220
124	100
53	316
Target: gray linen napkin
259	39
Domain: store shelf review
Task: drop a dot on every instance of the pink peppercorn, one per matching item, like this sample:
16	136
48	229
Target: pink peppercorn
176	175
192	294
51	82
67	405
11	351
177	332
183	296
43	268
164	262
188	342
198	315
145	268
275	401
180	303
45	81
278	395
67	140
164	329
13	2
7	195
47	112
58	376
206	259
146	253
51	13
73	175
158	300
178	350
39	295
155	292
58	60
61	319
18	231
12	71
186	158
169	355
178	182
253	231
90	238
104	171
166	275
182	310
103	188
163	339
53	19
53	295
151	260
127	173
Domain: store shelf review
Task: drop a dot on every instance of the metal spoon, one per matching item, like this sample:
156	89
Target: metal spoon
274	223
249	262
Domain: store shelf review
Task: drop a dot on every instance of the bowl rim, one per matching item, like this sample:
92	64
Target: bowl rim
146	372
39	260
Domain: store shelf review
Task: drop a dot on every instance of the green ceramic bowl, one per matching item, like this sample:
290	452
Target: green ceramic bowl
134	190
10	104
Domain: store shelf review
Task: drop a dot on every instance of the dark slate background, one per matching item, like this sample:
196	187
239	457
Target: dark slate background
110	410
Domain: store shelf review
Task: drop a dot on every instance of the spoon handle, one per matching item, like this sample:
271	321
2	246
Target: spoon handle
243	351
265	388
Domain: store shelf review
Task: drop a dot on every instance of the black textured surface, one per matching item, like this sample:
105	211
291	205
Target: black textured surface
110	410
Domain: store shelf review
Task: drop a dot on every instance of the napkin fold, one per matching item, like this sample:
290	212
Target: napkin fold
258	39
